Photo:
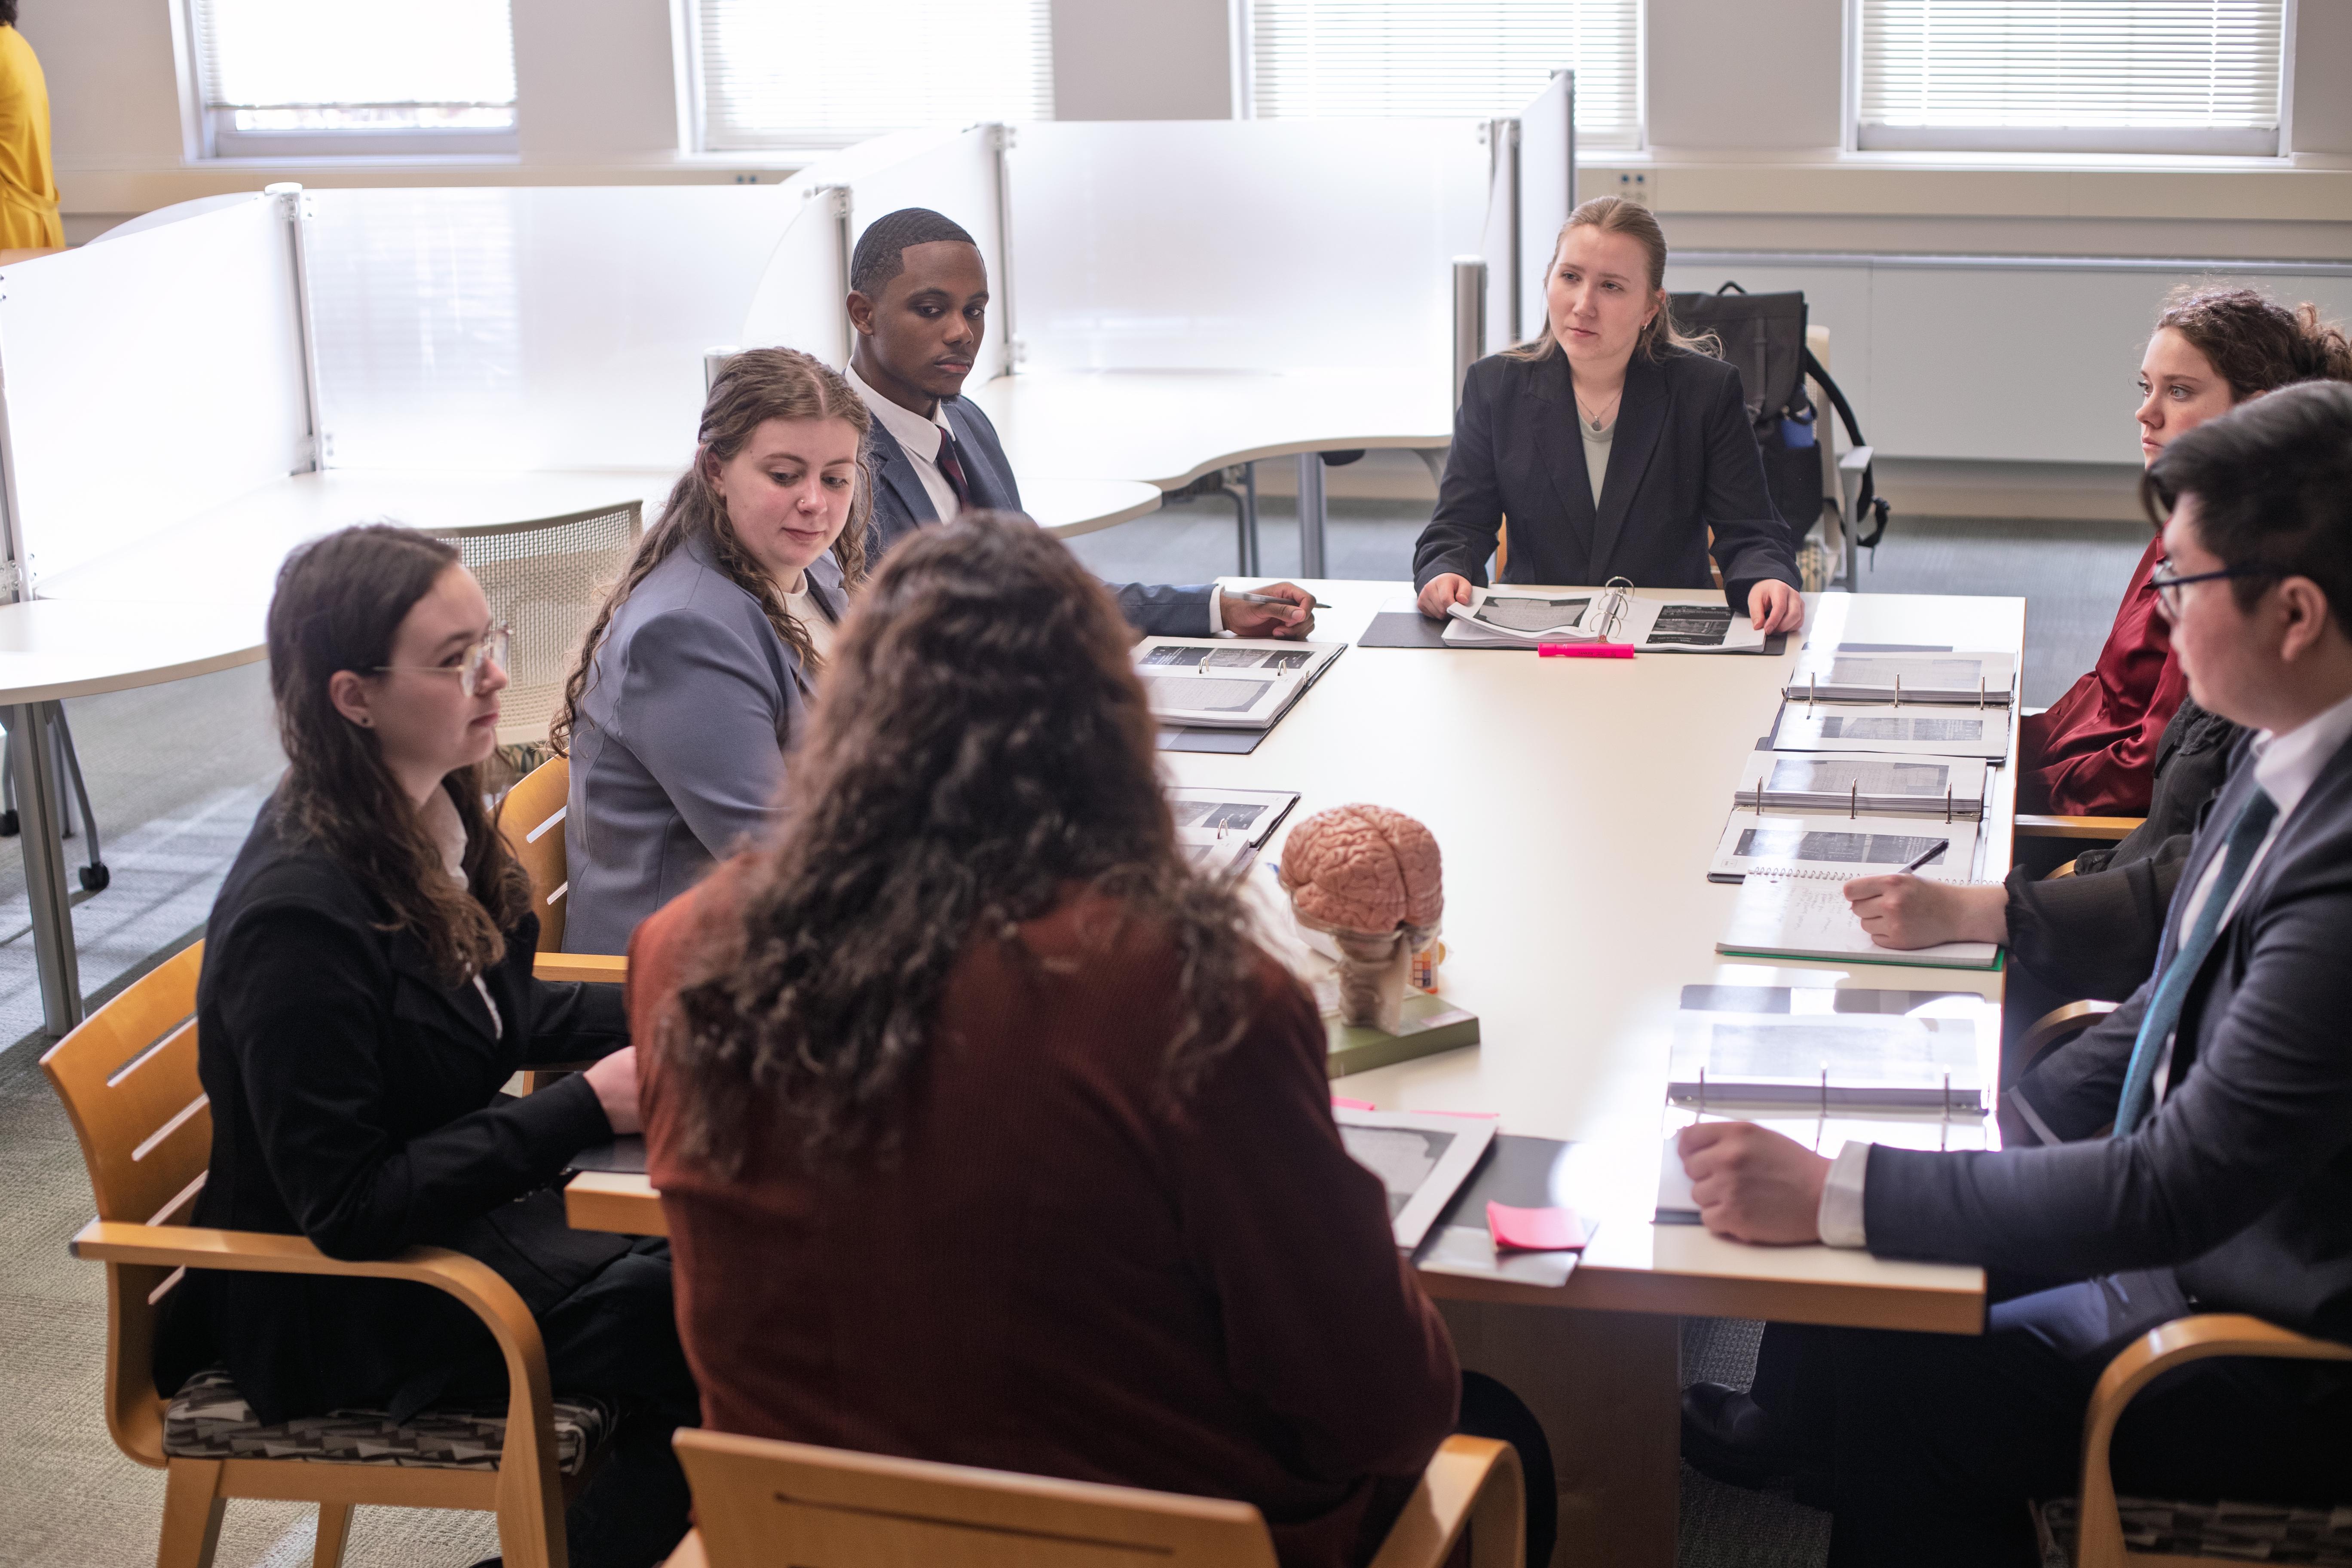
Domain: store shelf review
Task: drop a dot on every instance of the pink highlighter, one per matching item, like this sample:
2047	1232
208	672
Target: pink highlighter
1584	650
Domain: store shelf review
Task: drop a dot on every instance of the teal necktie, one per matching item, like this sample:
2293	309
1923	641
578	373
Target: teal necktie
2163	1015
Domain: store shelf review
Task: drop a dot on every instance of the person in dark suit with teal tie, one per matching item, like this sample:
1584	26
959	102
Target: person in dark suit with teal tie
918	309
2196	1150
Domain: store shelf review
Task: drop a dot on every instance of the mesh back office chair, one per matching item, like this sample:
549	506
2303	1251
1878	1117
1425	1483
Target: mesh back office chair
545	578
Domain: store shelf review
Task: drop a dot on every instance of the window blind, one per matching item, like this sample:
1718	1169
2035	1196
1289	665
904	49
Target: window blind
329	65
817	73
1478	58
2084	75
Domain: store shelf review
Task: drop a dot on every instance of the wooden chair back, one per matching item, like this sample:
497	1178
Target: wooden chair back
532	818
128	1079
759	1502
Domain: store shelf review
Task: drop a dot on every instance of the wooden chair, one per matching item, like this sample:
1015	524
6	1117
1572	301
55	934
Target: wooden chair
758	1503
128	1079
2103	829
2105	1530
532	818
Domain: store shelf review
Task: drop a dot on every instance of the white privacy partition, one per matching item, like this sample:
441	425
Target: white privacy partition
529	328
1547	195
1275	244
148	379
959	174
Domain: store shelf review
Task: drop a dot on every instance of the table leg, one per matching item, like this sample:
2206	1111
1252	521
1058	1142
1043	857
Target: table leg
1249	520
1607	1387
39	801
1311	514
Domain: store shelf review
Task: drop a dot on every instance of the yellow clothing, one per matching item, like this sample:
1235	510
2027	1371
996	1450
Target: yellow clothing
28	184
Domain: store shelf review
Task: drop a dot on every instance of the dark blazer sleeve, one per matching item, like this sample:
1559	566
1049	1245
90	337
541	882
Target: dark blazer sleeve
302	994
1165	609
1751	542
699	707
1324	1323
1461	534
572	1021
2265	1104
2094	935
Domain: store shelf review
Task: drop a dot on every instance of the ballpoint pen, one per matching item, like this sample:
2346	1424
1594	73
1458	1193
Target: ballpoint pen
1920	859
1272	599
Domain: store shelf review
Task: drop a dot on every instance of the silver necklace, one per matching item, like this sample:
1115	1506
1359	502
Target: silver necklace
1594	418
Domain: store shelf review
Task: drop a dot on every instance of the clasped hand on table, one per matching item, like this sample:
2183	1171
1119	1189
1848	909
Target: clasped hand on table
1244	620
1774	606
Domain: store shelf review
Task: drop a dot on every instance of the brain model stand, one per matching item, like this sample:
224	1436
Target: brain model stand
1369	878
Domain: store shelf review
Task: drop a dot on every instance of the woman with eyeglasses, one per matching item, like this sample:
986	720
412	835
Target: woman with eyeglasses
366	993
694	682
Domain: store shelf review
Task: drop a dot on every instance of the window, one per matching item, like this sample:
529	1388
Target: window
1484	59
2093	76
813	74
306	76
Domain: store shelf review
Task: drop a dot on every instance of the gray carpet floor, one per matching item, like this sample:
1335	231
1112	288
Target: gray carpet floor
175	773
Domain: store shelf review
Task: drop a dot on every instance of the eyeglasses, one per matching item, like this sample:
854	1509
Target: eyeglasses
2167	586
491	649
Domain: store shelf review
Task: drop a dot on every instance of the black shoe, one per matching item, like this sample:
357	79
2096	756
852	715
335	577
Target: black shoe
1727	1435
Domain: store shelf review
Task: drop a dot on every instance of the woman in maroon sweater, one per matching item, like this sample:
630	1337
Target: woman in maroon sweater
2093	752
984	1131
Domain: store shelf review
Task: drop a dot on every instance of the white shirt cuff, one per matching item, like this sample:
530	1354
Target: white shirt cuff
1840	1213
1217	608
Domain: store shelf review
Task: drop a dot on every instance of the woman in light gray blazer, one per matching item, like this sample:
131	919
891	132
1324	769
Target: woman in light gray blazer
693	685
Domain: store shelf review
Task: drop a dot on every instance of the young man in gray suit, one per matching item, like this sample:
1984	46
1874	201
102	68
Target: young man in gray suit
2195	1148
918	309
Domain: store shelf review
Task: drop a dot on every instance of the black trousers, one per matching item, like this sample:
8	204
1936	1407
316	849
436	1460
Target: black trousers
617	1337
1491	1410
1935	1443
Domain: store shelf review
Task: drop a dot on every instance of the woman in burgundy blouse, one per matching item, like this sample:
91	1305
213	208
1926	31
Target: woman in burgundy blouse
986	1134
2093	752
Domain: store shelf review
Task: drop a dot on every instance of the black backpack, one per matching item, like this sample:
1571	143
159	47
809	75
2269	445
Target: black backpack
1764	336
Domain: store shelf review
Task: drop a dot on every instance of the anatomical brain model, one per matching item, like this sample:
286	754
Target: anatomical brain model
1371	878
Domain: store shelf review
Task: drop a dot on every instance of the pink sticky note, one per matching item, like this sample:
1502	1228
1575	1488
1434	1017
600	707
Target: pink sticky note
1339	1104
1475	1115
1584	650
1536	1230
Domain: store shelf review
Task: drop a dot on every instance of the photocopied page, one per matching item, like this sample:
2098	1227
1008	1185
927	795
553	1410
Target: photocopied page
1206	817
1838	848
1829	781
1886	730
1242	683
1500	616
1959	676
1837	1061
1691	625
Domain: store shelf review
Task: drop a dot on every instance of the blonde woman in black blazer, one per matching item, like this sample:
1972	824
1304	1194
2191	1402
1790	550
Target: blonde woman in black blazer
1614	447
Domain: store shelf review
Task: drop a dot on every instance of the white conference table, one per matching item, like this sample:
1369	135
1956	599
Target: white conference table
191	599
1168	427
1577	803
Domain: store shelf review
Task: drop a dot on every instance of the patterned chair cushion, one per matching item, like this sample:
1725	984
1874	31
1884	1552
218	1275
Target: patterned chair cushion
2252	1533
209	1419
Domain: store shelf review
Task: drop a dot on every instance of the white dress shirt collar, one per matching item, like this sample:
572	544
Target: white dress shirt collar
2287	765
918	435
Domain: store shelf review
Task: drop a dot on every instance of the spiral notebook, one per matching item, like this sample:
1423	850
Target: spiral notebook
1803	914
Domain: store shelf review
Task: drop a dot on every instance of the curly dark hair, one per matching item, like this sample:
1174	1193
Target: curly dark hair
753	387
2255	343
983	749
338	606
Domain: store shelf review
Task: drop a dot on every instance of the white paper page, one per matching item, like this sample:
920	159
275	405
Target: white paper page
1731	1060
1838	847
1824	1136
1206	815
1944	731
1689	626
1916	783
1953	676
1241	683
1506	616
1800	917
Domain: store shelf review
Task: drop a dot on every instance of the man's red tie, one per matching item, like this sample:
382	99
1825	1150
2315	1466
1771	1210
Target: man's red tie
951	465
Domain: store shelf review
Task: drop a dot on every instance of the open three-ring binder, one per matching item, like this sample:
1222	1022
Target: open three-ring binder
1612	612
